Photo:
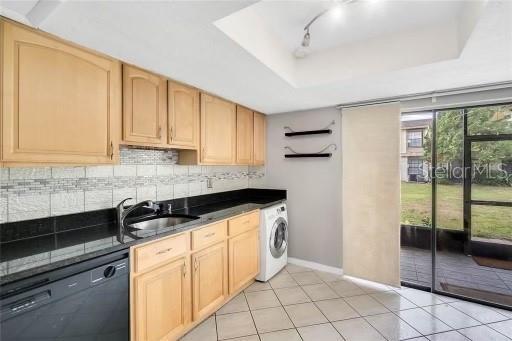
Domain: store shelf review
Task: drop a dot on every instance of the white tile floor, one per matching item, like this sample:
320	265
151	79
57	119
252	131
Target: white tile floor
303	304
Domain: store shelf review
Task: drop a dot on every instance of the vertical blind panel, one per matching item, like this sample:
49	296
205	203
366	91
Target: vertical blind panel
371	192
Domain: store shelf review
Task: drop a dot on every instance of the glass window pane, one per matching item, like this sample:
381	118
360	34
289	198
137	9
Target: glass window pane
491	222
449	172
490	120
415	138
415	155
416	200
491	176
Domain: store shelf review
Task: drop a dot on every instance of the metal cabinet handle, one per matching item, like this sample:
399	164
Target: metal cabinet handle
171	135
111	150
184	270
209	235
160	132
164	251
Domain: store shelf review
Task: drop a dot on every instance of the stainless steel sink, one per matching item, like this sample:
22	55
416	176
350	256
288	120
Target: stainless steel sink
156	223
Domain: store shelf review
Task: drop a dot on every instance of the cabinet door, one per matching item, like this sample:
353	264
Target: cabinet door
244	135
244	259
60	103
144	107
260	139
210	279
218	130
183	104
162	302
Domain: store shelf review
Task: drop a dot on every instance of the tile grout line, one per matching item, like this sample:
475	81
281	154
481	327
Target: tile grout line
497	331
353	308
252	317
286	312
365	318
421	308
216	329
357	312
474	318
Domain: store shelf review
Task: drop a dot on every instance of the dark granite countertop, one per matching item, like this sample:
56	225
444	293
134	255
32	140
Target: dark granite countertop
37	246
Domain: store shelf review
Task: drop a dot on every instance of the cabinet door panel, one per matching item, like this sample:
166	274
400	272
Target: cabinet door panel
244	136
60	103
210	279
244	259
218	130
162	302
183	104
144	107
259	139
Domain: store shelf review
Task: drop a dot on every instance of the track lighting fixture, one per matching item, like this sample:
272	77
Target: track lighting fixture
304	49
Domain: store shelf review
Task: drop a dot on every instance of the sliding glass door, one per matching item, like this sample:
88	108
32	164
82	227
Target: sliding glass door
473	203
469	234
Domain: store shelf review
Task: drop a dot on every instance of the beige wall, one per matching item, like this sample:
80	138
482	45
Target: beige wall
313	184
371	192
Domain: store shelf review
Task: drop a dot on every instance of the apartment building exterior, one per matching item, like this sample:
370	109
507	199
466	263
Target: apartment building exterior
413	166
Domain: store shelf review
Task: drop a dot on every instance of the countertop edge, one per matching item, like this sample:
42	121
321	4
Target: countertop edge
24	274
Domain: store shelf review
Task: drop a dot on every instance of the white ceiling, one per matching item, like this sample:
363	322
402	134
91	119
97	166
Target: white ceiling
180	39
356	21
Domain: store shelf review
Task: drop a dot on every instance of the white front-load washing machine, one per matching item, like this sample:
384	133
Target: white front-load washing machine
273	241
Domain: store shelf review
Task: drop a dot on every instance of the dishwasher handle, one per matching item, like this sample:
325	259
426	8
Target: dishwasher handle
26	303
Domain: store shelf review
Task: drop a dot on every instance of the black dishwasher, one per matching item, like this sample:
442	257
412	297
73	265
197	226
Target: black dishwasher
84	301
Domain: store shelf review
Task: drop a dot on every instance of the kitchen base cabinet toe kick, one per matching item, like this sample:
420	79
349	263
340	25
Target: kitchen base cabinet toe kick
178	281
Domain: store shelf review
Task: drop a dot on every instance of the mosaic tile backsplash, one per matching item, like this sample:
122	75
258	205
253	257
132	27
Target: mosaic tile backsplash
29	193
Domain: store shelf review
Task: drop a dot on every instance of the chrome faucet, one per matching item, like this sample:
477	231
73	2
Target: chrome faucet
122	213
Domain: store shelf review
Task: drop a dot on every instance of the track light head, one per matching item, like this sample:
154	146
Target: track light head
307	39
303	50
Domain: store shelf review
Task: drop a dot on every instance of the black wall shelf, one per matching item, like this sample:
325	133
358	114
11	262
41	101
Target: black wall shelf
309	132
322	153
290	132
294	156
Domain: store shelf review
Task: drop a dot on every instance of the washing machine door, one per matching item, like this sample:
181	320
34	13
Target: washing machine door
279	237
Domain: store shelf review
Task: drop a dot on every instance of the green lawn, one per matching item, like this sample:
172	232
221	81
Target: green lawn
487	221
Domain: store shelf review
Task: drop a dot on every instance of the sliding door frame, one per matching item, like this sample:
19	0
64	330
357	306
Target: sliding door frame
467	201
468	171
433	230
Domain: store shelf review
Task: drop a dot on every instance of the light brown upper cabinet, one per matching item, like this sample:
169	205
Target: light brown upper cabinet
260	131
183	106
244	135
144	107
218	130
60	103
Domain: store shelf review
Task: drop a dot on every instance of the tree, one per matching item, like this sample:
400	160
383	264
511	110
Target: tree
481	121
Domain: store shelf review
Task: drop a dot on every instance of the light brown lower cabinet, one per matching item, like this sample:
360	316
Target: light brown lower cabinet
209	280
178	281
162	301
244	259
